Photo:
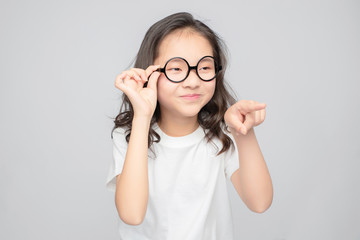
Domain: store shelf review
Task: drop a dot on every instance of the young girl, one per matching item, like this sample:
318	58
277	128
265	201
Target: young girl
178	137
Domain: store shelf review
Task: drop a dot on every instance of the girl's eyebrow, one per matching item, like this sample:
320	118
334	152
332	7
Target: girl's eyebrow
180	58
207	60
177	60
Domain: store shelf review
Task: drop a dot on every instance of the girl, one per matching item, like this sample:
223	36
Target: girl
178	137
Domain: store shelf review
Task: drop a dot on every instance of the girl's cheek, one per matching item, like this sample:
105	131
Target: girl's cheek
161	83
161	86
162	77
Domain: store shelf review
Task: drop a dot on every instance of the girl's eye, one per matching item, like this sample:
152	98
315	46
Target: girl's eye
174	69
205	68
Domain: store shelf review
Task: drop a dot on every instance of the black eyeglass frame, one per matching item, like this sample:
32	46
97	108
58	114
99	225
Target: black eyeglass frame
217	69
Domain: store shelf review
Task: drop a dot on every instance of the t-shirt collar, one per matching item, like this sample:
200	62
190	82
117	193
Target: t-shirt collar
182	141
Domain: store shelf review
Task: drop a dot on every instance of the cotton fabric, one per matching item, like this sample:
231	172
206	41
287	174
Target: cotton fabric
188	198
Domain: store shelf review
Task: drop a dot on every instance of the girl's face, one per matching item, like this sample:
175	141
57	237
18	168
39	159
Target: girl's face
171	96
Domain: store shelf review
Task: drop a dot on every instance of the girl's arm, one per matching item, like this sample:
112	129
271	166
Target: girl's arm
132	187
252	180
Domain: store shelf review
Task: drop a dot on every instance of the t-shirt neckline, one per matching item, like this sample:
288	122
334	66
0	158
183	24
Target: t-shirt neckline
182	141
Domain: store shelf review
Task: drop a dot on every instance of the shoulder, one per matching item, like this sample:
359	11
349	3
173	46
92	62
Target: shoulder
119	130
119	134
224	131
218	143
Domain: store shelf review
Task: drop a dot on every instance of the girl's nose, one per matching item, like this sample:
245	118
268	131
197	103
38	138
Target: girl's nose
192	80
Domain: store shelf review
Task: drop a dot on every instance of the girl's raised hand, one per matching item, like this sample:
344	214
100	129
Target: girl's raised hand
131	82
244	114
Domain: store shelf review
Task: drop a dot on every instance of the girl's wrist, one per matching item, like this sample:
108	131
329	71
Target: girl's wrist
139	118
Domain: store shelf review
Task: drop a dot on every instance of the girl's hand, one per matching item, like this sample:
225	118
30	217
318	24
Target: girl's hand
131	82
244	115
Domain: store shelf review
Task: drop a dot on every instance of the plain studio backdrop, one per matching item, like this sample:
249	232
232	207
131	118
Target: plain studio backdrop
59	60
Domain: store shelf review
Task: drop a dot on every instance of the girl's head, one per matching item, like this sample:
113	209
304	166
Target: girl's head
184	47
180	35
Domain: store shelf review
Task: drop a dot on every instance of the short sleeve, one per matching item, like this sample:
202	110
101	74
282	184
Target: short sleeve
119	153
231	159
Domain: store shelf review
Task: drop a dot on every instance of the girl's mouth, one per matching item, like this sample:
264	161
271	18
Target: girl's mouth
191	96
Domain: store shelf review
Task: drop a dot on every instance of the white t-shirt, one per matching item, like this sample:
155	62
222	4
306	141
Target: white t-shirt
188	198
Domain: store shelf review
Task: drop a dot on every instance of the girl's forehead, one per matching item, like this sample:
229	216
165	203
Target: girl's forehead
189	45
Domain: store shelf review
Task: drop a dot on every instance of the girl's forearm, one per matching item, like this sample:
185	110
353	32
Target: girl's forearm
255	181
132	188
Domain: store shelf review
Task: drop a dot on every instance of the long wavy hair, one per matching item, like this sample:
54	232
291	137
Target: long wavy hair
211	116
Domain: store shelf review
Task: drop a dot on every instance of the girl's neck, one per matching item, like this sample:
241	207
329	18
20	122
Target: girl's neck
178	127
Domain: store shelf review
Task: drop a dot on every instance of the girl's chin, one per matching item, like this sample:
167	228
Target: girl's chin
184	111
186	114
190	114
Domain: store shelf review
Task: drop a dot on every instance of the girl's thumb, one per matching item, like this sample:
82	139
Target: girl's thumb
152	82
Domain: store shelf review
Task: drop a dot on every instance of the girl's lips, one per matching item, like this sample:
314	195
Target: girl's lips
191	96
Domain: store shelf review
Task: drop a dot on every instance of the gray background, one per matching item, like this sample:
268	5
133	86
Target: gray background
59	60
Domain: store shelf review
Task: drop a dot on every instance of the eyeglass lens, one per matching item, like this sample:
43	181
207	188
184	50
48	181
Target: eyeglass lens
177	69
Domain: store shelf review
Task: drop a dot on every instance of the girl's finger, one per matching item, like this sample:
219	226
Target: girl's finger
152	83
132	74
150	70
141	73
248	123
250	107
237	124
121	76
262	115
256	106
135	75
126	79
119	79
120	83
257	117
130	82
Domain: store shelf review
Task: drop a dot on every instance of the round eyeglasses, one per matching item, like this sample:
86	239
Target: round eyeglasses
177	69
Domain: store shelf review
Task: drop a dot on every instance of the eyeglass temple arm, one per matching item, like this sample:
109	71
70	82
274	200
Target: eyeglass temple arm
157	70
160	70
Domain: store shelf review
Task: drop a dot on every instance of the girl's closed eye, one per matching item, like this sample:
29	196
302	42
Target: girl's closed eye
174	69
205	68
